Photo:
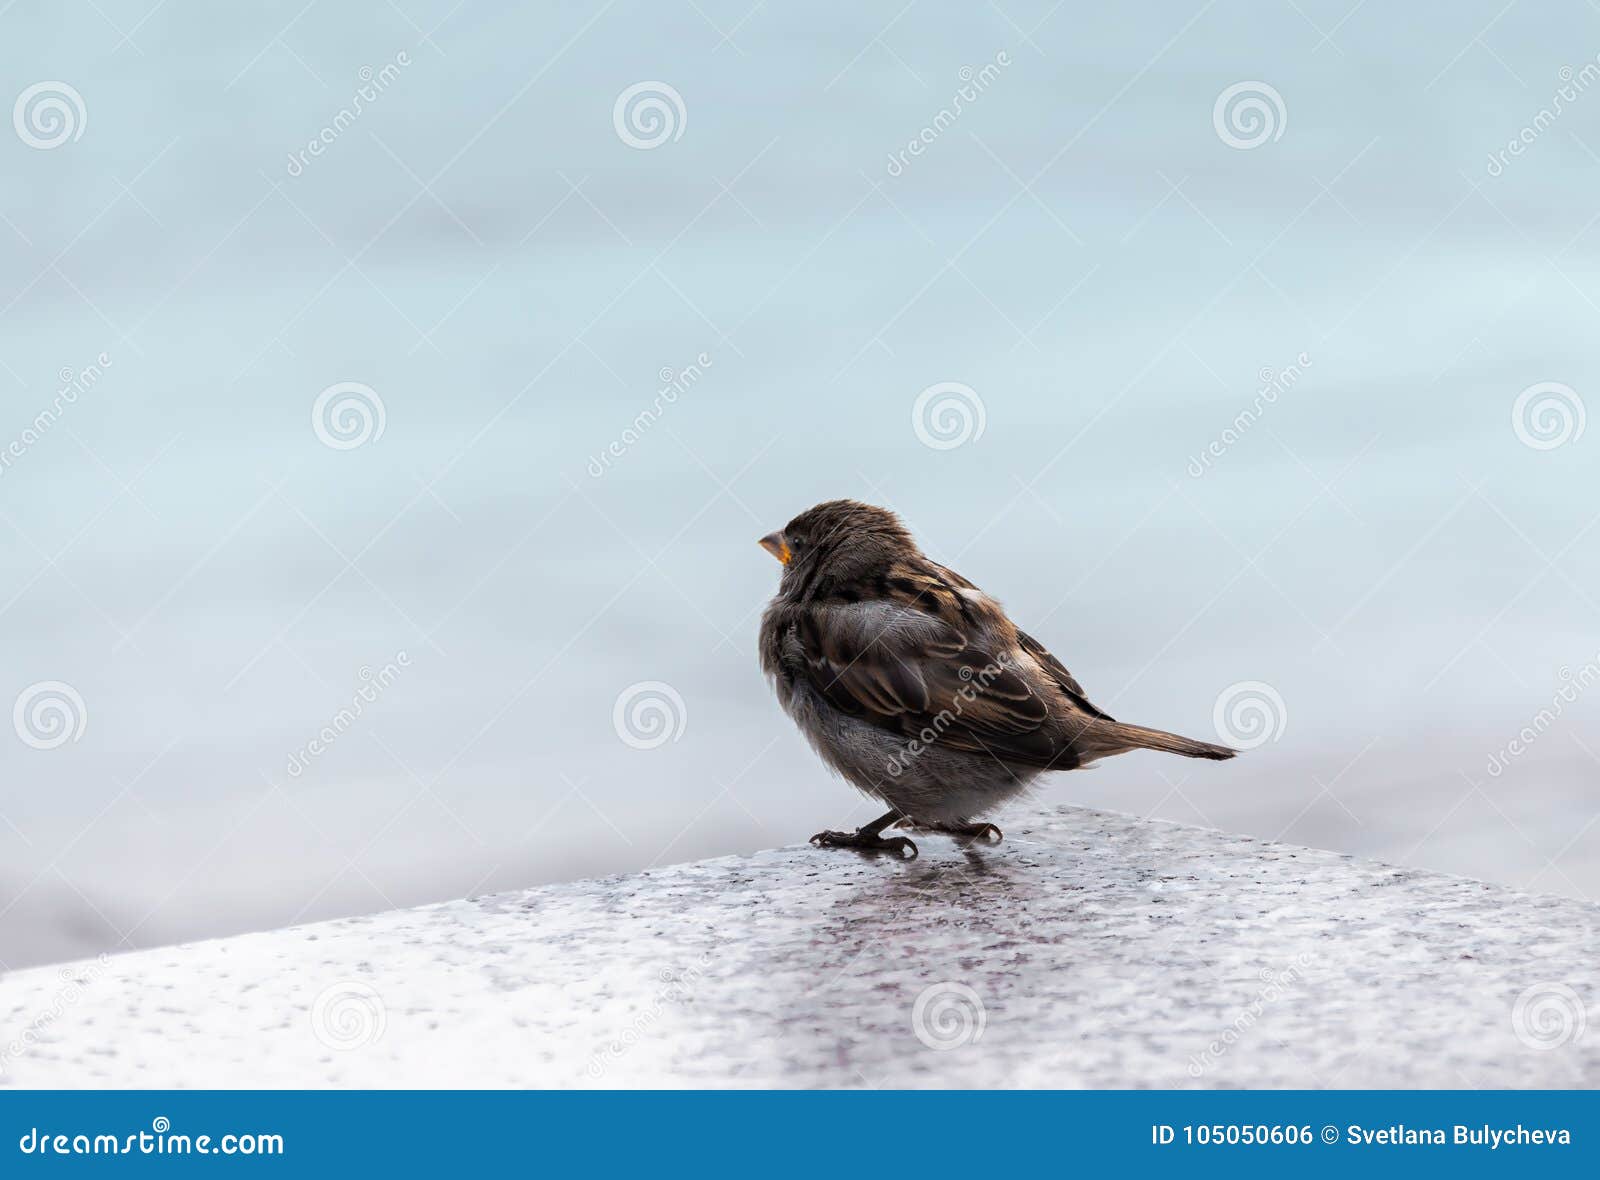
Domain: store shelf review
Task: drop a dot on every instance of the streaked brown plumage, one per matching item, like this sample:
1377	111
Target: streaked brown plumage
914	685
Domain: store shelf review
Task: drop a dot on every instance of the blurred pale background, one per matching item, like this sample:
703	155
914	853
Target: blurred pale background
482	248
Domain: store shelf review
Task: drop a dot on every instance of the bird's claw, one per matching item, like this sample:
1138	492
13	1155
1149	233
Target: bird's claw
900	846
866	842
968	833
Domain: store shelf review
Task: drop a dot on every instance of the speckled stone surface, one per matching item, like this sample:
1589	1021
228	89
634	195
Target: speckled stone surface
1090	949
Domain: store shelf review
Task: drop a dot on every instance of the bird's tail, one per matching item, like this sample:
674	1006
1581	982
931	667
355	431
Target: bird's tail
1118	738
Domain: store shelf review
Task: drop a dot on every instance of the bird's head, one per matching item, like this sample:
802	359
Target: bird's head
837	541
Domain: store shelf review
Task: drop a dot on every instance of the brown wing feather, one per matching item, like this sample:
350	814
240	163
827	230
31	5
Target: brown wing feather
1057	671
1053	667
925	681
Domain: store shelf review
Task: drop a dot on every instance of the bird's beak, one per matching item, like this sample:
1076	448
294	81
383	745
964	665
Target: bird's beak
777	545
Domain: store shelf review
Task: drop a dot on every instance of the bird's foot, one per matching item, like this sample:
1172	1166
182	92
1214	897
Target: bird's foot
866	840
968	833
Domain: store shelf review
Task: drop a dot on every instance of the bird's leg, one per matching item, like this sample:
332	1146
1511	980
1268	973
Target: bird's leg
987	833
869	838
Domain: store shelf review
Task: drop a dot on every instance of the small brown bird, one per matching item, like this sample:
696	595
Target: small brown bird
914	685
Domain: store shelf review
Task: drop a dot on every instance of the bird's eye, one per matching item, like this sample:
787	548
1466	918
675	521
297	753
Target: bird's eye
797	543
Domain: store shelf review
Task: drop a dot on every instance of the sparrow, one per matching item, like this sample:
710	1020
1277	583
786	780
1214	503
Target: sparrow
914	685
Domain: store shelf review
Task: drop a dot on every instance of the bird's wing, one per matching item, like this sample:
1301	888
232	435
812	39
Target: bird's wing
1057	671
917	676
1053	667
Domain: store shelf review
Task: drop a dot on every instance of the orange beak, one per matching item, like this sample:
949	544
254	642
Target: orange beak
777	545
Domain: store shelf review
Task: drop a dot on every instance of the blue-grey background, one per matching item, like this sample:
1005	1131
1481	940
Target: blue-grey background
482	249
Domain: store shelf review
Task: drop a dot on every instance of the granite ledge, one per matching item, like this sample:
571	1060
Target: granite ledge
1091	949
